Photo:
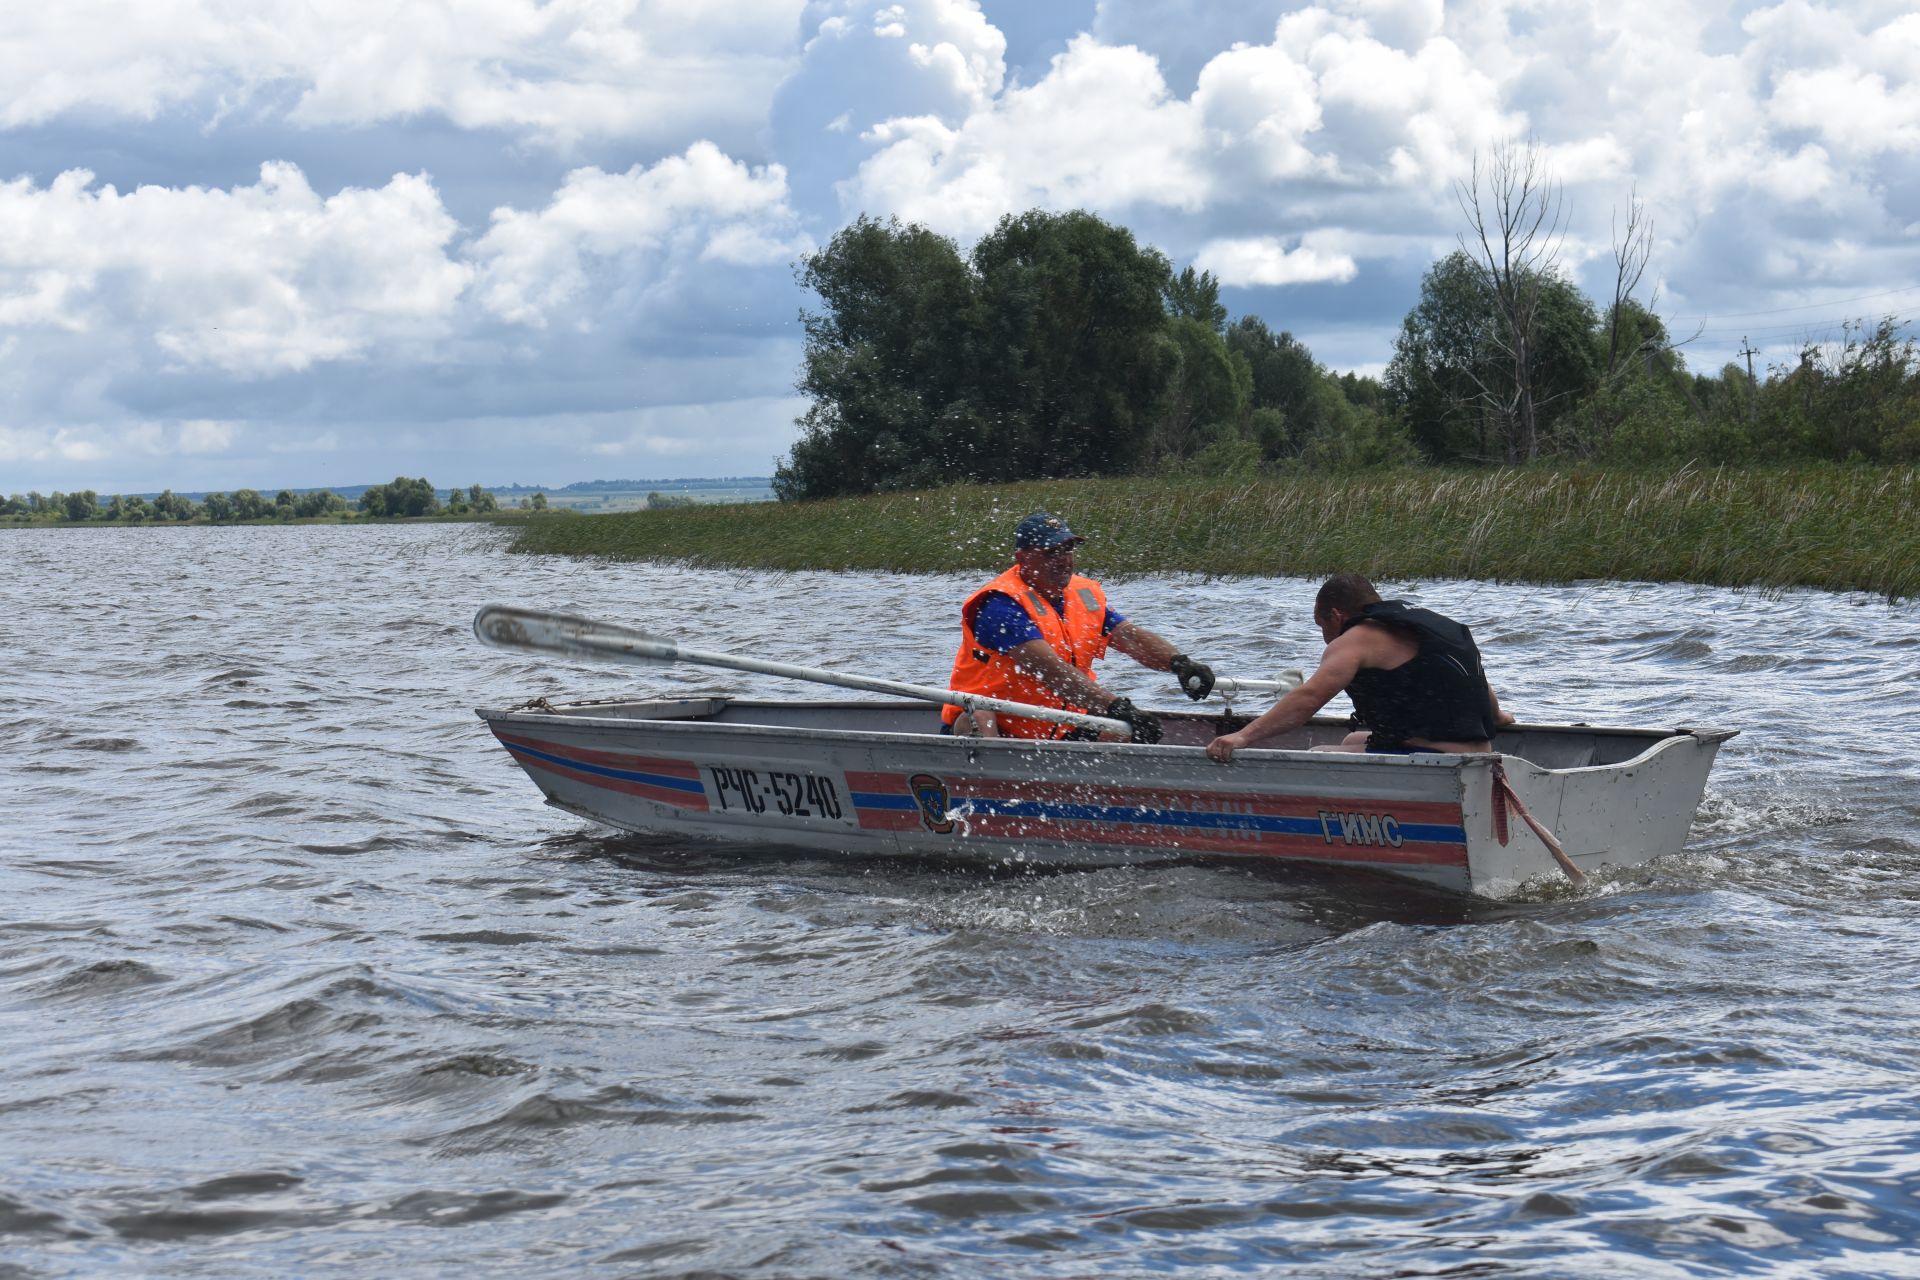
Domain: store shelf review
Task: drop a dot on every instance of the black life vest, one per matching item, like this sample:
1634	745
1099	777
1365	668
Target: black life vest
1439	694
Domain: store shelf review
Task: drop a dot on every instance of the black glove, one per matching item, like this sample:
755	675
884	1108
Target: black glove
1196	678
1145	725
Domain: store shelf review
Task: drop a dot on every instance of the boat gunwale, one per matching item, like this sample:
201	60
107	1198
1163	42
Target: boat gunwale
1660	739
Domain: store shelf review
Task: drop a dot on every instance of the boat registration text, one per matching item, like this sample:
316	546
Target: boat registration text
805	797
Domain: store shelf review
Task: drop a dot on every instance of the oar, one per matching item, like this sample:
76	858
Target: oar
509	627
1227	690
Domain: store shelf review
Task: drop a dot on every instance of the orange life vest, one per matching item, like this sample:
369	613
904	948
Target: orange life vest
1076	637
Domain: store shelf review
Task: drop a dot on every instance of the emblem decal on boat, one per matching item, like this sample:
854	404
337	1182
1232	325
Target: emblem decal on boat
931	795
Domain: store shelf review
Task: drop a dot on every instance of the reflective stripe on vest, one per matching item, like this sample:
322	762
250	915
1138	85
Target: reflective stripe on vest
1077	637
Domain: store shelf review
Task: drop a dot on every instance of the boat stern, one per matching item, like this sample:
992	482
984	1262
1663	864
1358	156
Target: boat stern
1606	813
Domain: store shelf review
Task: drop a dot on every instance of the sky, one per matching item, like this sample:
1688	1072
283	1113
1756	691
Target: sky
262	243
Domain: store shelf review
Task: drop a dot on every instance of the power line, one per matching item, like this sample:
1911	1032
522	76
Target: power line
1806	306
1785	330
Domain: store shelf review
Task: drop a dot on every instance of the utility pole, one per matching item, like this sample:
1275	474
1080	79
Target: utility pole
1748	350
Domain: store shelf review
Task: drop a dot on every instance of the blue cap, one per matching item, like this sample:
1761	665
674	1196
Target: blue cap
1043	531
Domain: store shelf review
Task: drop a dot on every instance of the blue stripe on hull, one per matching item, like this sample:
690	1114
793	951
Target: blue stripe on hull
1423	832
604	771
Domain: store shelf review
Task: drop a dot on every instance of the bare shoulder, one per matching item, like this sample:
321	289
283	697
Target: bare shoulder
1374	645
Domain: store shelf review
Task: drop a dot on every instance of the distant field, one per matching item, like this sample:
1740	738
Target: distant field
600	501
1839	528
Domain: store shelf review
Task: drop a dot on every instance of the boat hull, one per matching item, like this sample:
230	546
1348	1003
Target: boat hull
783	776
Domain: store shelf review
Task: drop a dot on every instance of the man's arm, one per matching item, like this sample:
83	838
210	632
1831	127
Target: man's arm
1500	716
1036	658
1157	653
1338	665
1145	647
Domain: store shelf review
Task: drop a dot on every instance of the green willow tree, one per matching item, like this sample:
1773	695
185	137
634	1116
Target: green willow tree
1042	353
400	497
1209	396
1075	361
1288	406
889	365
1058	346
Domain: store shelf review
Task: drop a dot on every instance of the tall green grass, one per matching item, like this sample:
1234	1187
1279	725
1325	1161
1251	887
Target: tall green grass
1840	528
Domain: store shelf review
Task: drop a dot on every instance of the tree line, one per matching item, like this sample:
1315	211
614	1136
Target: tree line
402	497
1059	346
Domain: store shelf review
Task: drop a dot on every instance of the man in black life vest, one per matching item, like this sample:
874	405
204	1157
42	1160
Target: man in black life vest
1414	678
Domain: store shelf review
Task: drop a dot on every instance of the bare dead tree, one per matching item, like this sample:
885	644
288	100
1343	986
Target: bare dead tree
1632	249
1516	229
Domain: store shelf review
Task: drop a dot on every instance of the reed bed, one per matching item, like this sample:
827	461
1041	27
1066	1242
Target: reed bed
1850	529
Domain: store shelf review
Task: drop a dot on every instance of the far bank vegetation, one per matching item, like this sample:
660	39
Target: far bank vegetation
1810	525
1058	346
403	498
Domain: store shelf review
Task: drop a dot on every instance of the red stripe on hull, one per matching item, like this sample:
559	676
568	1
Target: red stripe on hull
610	759
678	799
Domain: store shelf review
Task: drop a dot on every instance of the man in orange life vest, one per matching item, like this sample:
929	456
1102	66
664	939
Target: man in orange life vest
1414	677
1032	634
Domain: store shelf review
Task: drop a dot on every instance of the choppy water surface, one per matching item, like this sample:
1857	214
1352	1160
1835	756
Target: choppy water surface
297	975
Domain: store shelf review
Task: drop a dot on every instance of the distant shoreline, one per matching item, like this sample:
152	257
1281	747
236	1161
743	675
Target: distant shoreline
1831	527
274	522
358	502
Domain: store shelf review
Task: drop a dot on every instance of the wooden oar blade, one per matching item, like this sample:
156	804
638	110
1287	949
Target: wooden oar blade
506	626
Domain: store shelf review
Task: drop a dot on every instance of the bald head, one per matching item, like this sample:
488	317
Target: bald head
1346	593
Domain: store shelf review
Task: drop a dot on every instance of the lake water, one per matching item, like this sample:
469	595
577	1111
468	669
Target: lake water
297	976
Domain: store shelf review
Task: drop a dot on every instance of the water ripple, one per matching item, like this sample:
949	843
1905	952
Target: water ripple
294	966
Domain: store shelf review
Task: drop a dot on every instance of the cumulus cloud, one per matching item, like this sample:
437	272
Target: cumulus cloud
207	435
1323	99
700	205
864	62
1852	109
1100	130
94	443
1182	36
272	278
1263	260
558	71
205	323
250	280
933	57
44	444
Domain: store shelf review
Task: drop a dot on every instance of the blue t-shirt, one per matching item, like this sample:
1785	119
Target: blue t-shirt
1002	624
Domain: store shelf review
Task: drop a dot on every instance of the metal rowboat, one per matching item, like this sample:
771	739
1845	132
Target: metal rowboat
867	778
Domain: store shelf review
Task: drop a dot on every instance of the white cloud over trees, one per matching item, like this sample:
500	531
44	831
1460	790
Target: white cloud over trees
554	72
669	162
252	280
697	207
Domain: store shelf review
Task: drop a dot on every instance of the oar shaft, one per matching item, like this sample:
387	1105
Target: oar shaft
508	626
873	684
1228	689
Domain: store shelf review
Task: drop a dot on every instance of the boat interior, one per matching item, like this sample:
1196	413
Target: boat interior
1549	746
